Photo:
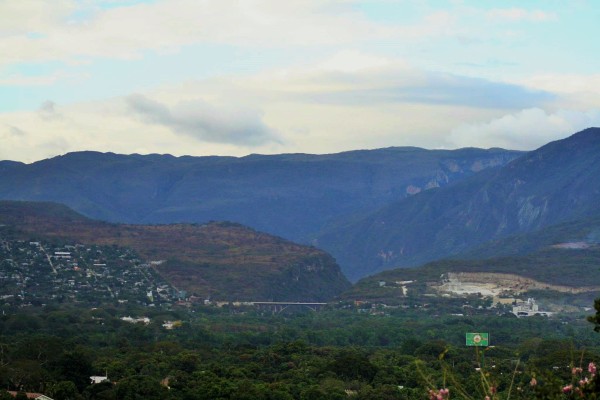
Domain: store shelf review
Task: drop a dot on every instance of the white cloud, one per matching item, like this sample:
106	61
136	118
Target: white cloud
520	14
325	107
353	78
573	91
33	16
564	83
72	31
352	61
22	80
203	121
124	32
526	130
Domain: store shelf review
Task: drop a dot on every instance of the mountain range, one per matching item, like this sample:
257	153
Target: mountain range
555	183
558	263
373	210
290	195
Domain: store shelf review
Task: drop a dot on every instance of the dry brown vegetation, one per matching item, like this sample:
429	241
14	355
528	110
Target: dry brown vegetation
218	259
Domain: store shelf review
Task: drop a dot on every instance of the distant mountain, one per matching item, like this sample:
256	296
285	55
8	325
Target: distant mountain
290	195
560	258
556	183
7	166
583	233
220	260
570	271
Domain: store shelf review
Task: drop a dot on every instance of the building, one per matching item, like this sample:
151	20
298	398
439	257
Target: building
35	396
98	379
528	309
143	320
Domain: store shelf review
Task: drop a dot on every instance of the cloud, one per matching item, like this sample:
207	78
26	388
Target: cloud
205	122
375	81
23	80
520	14
71	30
525	130
323	107
48	110
352	61
564	83
15	131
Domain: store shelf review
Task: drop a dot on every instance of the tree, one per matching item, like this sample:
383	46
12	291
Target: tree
353	364
4	395
64	390
76	366
595	319
21	396
100	391
141	388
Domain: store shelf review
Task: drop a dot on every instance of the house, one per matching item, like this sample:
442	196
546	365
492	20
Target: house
35	396
143	320
528	309
98	379
62	254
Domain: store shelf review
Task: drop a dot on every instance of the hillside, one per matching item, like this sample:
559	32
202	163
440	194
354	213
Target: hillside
558	182
290	195
222	260
583	233
559	275
558	263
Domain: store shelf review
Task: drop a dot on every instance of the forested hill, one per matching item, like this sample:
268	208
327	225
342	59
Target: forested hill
225	261
559	263
290	195
556	183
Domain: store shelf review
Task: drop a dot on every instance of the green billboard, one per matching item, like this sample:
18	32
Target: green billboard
477	338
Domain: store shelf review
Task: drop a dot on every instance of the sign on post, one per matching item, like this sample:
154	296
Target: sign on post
477	339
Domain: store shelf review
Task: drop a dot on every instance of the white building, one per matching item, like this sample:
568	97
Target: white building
98	379
528	309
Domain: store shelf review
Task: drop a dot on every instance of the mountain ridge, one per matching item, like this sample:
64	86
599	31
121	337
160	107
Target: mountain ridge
289	195
554	183
220	260
558	263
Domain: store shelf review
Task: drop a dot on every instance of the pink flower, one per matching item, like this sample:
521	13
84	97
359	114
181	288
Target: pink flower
533	382
576	370
567	389
583	382
440	394
487	398
592	368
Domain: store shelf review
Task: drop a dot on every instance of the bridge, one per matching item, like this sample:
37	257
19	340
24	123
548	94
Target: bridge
279	306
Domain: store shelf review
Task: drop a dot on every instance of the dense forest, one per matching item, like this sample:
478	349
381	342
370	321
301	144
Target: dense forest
337	353
104	311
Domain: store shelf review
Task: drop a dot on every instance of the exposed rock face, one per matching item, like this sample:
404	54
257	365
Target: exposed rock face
556	183
494	284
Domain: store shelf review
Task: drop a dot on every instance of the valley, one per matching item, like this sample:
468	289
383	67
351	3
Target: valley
194	309
299	200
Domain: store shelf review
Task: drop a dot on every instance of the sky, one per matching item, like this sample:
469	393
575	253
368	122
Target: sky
225	77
